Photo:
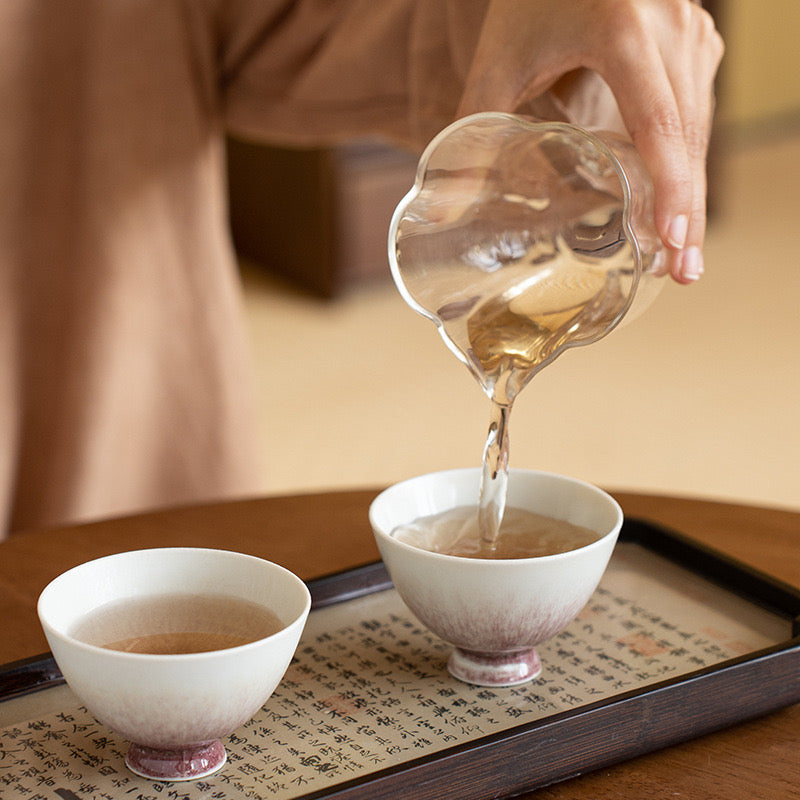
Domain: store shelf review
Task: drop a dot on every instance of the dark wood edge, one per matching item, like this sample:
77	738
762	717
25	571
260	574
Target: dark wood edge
339	587
29	675
755	586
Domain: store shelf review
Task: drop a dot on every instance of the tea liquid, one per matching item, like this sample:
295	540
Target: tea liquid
522	534
173	624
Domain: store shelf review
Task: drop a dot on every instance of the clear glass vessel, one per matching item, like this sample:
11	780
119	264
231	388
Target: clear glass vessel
522	238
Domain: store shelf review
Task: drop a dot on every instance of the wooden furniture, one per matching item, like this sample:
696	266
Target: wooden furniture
316	217
320	533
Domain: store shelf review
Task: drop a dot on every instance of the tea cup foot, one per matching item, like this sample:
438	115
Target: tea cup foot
494	669
179	764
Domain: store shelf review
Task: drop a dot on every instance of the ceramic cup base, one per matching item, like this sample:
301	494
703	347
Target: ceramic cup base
181	764
494	669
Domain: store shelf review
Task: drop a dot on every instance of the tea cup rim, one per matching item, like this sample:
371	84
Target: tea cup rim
455	559
171	658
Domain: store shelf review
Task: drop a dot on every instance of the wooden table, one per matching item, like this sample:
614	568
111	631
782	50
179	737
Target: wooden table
317	534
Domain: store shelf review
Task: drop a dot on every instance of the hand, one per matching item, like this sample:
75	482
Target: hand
658	58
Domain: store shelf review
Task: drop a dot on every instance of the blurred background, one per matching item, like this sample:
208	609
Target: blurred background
699	397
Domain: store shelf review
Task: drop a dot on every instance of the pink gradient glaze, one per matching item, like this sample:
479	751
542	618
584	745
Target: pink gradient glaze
495	669
181	764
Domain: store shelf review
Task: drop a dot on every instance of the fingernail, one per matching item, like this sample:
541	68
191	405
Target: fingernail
676	233
692	264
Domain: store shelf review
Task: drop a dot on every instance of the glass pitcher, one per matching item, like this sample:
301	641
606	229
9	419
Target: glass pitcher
522	238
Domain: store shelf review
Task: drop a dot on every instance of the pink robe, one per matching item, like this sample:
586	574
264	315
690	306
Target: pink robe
125	380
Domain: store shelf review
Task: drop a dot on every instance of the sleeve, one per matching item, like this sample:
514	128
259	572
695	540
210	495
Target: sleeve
313	71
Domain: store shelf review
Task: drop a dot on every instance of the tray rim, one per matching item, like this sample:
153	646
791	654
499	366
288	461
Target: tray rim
571	742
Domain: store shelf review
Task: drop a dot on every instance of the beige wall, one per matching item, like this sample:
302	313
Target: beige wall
760	79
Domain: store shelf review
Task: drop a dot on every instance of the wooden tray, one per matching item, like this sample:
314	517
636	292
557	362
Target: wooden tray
678	641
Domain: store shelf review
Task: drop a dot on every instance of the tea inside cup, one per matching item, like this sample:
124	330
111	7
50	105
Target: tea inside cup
174	648
495	611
